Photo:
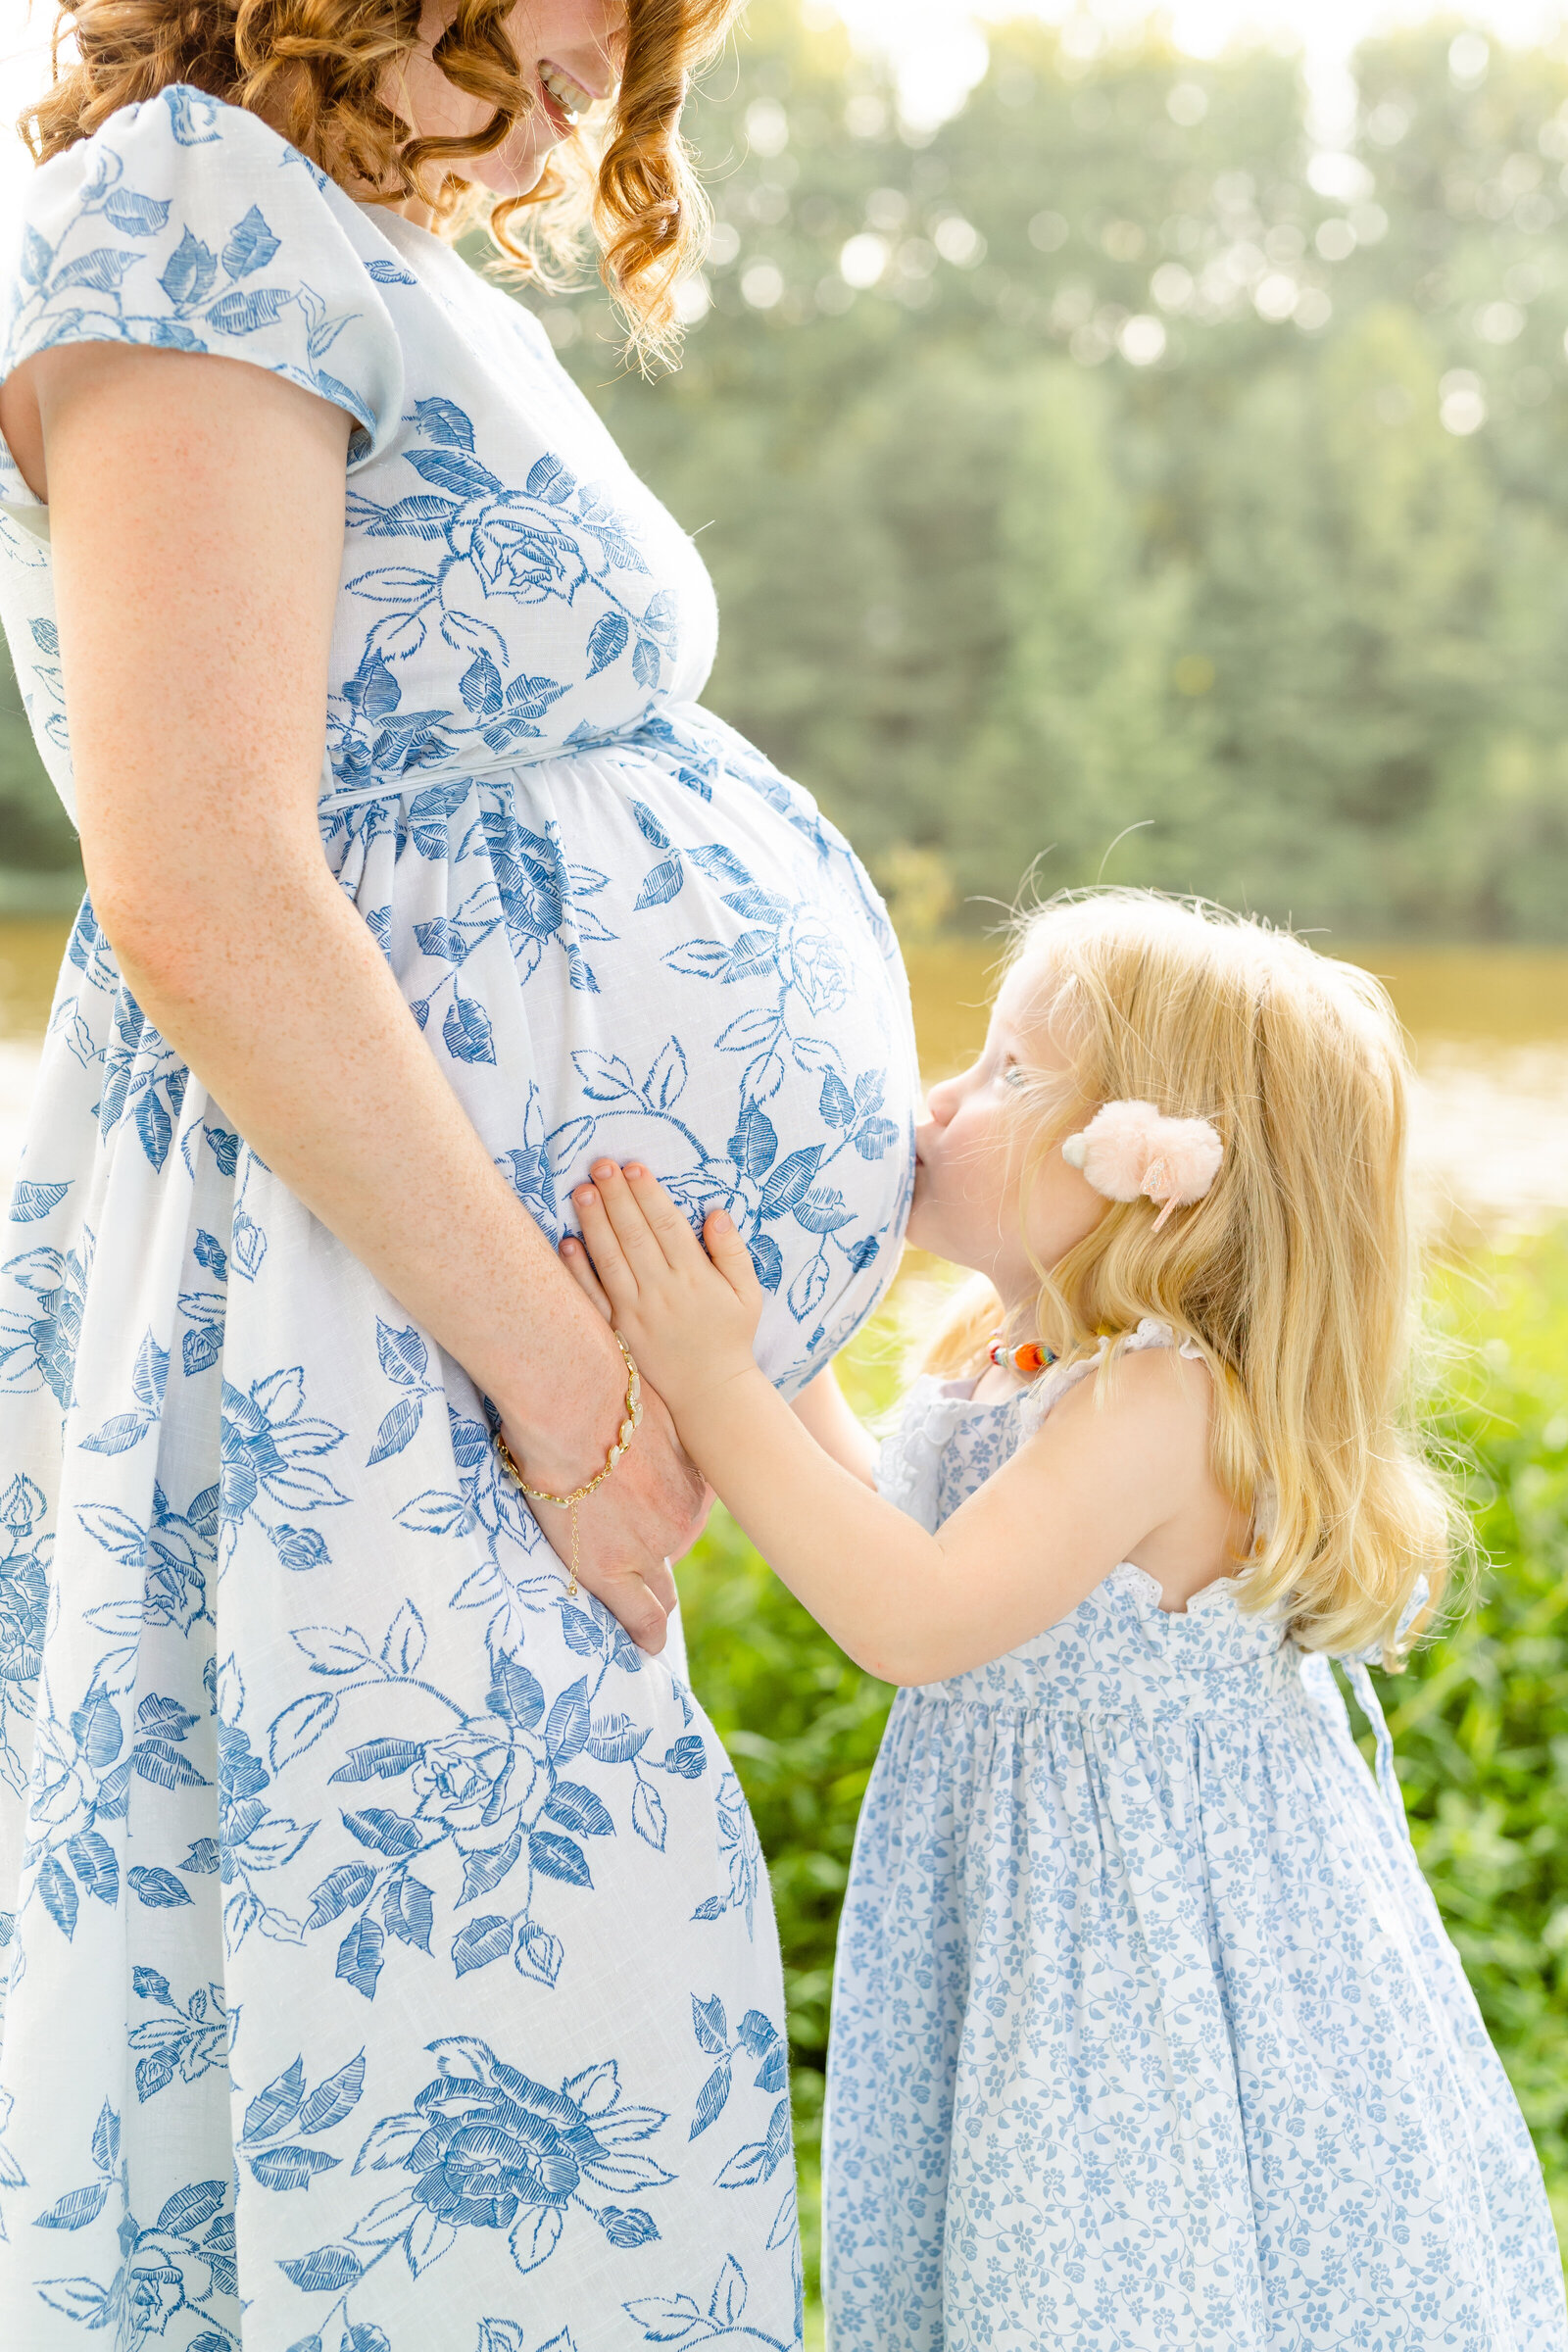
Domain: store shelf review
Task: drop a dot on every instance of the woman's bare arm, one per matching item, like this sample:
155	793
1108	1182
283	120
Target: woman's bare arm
197	517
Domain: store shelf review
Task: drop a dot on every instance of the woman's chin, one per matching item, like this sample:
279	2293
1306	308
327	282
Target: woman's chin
506	174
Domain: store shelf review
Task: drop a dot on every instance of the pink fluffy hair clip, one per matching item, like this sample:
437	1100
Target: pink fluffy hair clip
1130	1152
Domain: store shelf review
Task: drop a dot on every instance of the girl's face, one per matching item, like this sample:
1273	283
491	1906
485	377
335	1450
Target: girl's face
571	53
969	1156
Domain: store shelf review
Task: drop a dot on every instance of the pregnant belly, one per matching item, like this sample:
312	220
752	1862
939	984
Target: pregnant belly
620	954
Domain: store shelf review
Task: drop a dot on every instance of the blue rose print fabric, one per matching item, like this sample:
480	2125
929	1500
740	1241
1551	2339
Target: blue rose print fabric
389	1960
1146	2028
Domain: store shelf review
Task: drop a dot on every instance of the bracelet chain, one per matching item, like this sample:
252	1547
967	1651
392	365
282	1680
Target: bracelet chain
632	1413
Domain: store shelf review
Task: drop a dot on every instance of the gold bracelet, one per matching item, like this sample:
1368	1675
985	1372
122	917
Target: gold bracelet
633	1413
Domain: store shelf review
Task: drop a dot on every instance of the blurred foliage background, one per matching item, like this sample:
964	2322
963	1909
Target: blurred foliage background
1111	457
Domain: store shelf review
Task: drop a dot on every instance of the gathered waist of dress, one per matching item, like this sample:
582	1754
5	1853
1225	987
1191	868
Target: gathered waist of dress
1170	1708
1151	1690
655	735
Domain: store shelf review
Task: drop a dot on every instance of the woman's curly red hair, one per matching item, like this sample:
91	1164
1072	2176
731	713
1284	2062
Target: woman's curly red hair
314	69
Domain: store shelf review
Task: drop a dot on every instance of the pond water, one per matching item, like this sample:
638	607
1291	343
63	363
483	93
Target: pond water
1488	1027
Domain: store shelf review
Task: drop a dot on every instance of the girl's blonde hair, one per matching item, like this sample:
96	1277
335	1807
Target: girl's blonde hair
1297	1276
315	69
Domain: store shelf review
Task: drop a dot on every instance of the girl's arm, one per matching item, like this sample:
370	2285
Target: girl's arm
197	508
824	1408
908	1606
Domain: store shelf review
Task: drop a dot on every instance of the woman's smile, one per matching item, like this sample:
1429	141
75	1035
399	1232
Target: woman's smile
563	97
591	34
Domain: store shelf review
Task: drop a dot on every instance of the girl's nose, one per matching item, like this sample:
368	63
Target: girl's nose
942	1102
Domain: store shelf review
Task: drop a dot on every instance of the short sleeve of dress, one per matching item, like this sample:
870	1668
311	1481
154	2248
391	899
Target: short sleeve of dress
186	224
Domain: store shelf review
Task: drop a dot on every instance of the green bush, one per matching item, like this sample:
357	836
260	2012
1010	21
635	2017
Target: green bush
1480	1718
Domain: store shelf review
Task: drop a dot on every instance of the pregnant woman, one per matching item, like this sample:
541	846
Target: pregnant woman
389	1957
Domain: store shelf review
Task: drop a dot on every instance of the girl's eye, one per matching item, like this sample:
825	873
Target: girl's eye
1012	1073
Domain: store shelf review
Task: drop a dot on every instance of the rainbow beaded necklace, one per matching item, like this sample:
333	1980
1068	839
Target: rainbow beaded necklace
1028	1358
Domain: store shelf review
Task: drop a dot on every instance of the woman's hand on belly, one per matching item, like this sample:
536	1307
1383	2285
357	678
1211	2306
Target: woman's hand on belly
648	1513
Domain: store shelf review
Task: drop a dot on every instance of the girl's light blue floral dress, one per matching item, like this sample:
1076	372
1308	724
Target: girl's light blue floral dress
391	1965
1146	2030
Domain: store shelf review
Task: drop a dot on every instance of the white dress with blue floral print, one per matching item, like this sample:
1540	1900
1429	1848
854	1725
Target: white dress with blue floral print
390	1957
1146	2034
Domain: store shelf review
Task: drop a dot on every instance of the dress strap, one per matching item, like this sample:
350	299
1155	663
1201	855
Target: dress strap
1053	1385
909	1471
1371	1707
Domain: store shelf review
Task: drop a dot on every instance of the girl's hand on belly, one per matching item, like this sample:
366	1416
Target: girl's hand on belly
689	1317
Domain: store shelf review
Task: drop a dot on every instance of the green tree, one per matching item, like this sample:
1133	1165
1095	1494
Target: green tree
988	585
1085	732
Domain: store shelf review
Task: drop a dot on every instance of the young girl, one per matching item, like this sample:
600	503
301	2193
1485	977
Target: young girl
1145	2030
